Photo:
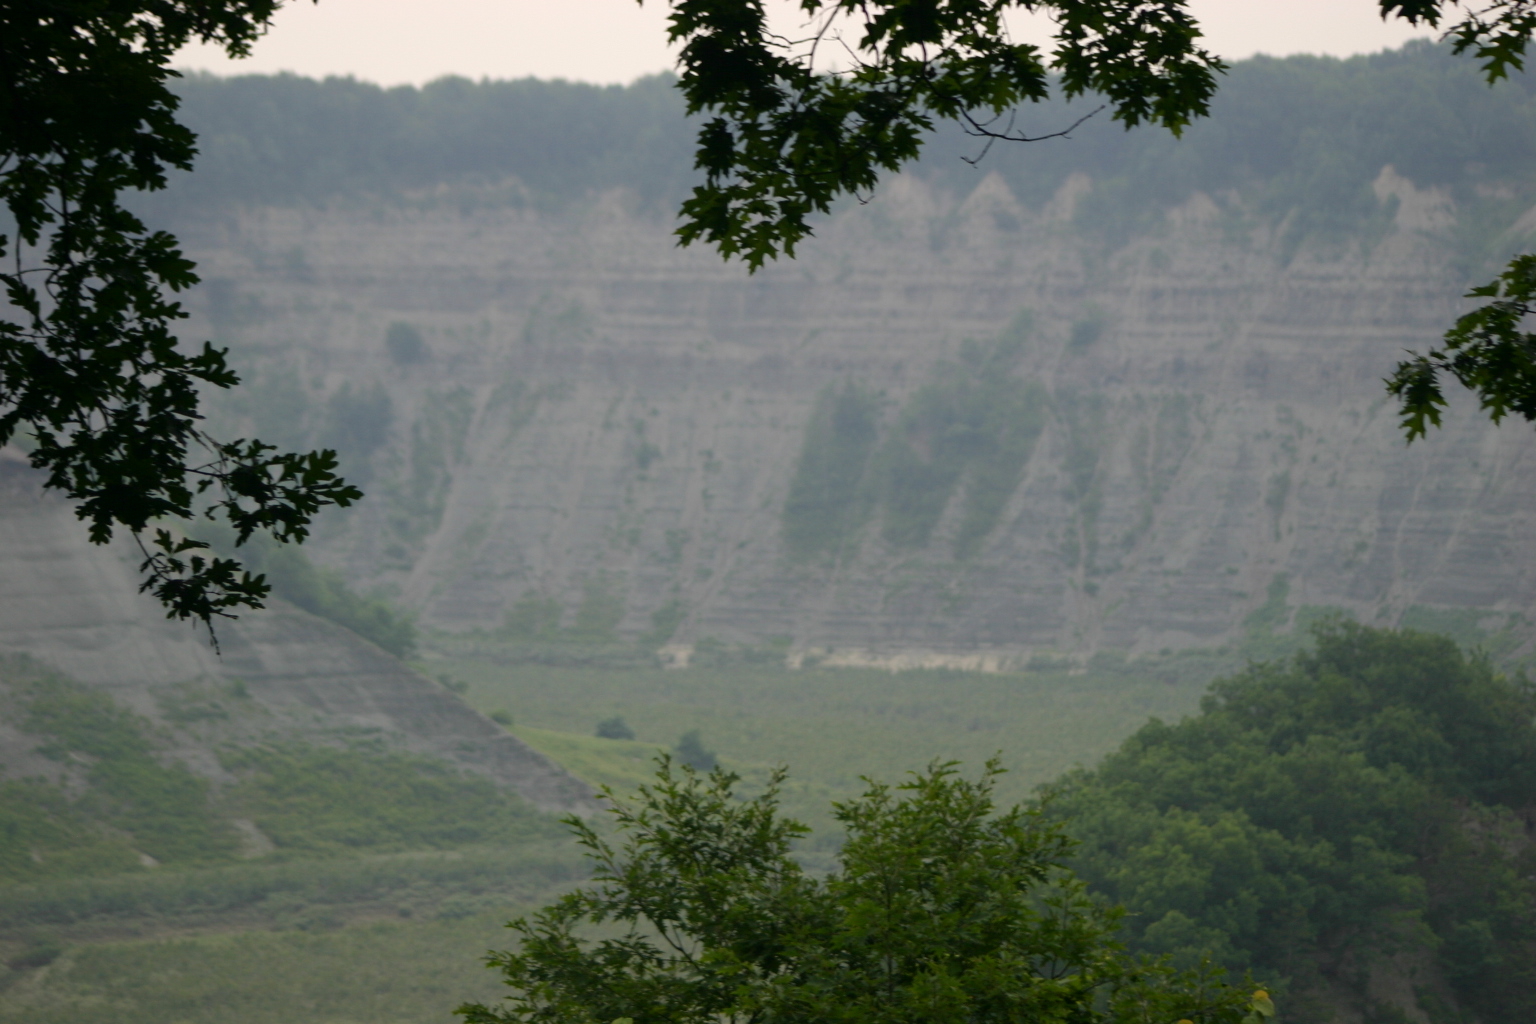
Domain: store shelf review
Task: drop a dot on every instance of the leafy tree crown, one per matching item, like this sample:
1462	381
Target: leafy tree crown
92	376
941	909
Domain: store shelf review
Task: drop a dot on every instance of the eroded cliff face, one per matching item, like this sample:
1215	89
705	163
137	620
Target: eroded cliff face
1048	441
283	673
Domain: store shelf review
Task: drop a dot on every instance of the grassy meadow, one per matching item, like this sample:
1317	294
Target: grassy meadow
391	938
394	937
832	726
399	972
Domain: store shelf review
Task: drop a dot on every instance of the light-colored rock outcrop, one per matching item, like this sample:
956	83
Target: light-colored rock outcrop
603	410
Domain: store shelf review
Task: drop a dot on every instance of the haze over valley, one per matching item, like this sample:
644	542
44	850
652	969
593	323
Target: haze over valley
1012	456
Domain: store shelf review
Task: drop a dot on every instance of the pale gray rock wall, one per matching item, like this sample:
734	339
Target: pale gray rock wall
603	409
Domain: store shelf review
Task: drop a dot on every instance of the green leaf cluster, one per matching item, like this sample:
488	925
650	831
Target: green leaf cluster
1326	811
940	908
1486	352
90	370
784	137
1496	34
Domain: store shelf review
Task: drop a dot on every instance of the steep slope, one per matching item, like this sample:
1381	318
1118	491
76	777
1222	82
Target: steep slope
74	607
563	407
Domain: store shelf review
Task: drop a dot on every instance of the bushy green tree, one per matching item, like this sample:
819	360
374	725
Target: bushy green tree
615	728
941	910
690	751
1327	811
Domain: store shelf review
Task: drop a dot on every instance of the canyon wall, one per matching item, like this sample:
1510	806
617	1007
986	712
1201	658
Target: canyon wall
1164	433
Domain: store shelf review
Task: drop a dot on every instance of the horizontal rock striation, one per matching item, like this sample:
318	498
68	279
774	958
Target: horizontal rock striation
75	608
598	419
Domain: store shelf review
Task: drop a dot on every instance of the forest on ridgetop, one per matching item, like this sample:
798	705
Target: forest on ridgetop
1304	134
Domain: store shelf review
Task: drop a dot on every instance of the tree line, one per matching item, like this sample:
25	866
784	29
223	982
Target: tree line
1299	134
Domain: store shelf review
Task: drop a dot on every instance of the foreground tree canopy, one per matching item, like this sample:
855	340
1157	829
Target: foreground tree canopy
94	381
785	137
91	376
940	910
1324	820
1326	814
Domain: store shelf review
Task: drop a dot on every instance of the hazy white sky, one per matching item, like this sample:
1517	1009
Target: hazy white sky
414	41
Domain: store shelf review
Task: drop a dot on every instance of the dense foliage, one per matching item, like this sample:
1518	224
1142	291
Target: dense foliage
939	909
92	376
1320	813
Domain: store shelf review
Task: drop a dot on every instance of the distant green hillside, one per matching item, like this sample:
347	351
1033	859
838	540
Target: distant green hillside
117	801
123	873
